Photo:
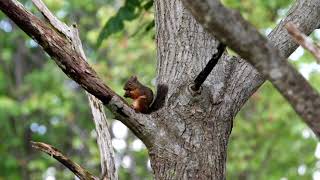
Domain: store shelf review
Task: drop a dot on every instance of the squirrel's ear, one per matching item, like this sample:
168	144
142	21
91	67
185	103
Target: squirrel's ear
134	77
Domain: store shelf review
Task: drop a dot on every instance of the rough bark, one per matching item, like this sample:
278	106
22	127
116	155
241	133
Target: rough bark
198	130
193	128
245	79
230	28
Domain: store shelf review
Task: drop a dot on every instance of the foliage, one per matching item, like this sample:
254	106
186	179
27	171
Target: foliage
131	10
38	102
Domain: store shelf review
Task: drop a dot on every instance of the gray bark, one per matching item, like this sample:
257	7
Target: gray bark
196	127
246	79
108	167
229	27
193	128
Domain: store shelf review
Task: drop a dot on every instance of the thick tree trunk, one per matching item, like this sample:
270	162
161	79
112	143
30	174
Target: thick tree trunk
193	127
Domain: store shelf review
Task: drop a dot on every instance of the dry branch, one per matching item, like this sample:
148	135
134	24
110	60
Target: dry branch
229	27
79	171
108	167
303	40
109	170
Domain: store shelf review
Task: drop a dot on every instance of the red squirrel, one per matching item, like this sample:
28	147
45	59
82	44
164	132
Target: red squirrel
142	95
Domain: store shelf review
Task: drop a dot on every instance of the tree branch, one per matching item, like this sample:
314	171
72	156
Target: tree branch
74	65
207	70
79	171
303	40
229	27
109	170
245	80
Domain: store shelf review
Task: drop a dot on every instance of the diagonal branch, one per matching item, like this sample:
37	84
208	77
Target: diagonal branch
74	65
303	40
207	70
229	27
79	171
245	80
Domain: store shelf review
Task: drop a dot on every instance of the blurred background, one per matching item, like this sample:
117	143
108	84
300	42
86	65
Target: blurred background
38	102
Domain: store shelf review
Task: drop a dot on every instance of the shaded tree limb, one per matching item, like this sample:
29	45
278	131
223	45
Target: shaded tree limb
303	40
79	171
74	66
208	68
229	27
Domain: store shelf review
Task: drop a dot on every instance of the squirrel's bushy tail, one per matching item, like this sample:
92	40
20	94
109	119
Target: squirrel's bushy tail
160	98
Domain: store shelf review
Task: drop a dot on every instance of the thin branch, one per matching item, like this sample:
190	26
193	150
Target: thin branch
108	167
74	65
210	65
303	40
79	171
53	20
229	27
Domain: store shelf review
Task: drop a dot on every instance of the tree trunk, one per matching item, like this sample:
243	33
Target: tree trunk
193	127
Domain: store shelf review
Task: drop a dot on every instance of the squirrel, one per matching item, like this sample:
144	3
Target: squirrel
142	95
143	99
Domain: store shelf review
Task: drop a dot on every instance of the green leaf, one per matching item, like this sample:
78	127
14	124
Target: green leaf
150	26
130	11
148	5
114	25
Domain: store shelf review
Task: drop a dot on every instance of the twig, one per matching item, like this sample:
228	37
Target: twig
303	40
207	70
80	172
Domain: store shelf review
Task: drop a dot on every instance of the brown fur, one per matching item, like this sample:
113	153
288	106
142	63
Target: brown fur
142	95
